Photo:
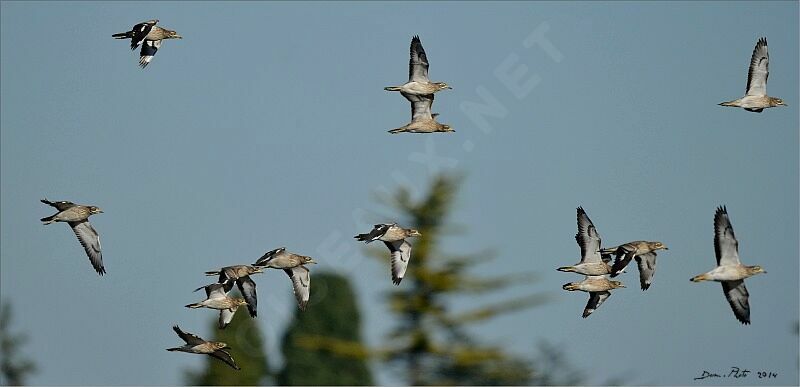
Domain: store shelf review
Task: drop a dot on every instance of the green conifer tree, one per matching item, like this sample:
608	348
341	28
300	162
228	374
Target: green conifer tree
431	344
13	369
332	320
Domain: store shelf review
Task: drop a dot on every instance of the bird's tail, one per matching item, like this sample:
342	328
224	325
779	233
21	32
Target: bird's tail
123	35
362	238
49	219
570	286
195	305
699	278
392	88
566	268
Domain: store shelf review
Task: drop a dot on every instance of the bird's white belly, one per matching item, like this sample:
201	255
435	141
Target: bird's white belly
216	304
724	273
415	88
753	101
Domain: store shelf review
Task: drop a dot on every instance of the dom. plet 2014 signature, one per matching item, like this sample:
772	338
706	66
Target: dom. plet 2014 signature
737	373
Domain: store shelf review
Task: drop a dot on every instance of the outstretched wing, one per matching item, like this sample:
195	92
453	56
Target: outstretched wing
378	231
624	255
225	317
139	32
401	254
90	241
149	49
301	284
726	247
59	205
248	289
420	106
758	72
226	357
189	338
737	296
217	290
268	256
588	238
647	268
595	300
418	64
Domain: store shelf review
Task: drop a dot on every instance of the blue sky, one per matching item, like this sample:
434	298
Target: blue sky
266	126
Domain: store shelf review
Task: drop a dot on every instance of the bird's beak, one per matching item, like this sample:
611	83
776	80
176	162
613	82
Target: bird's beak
178	37
666	248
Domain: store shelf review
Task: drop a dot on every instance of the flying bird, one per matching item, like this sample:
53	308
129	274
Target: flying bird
598	287
645	254
241	275
592	262
149	35
422	120
217	298
730	272
419	91
394	237
77	216
292	265
137	33
592	265
756	98
196	344
418	82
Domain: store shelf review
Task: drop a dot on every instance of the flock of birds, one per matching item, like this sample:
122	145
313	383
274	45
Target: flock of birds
595	264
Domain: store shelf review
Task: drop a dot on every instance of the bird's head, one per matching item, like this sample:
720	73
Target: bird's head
447	128
442	86
658	246
777	102
95	210
307	260
173	35
756	270
152	22
256	269
413	233
219	345
616	285
239	301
